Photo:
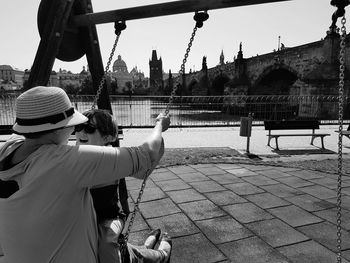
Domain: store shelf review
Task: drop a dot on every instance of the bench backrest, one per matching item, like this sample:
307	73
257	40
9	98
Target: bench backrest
292	125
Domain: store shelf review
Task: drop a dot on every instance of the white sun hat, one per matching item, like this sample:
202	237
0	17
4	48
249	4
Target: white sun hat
43	109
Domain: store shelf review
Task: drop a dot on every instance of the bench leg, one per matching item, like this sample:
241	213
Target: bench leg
268	141
312	140
322	142
276	139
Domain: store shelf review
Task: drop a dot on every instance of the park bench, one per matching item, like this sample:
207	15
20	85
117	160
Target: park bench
346	132
311	125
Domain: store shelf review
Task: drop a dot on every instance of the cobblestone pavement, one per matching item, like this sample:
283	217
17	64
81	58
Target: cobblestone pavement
244	212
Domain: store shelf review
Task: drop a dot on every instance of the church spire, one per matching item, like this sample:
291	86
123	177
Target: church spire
222	57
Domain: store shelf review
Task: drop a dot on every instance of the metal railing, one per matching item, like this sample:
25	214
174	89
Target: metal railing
199	111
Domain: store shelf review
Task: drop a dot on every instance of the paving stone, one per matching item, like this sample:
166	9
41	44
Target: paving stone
193	177
309	252
172	185
276	233
251	250
228	166
207	186
181	169
158	208
148	194
281	190
187	195
346	255
211	170
247	212
160	170
223	229
286	169
331	216
309	202
259	180
176	225
205	251
345	202
294	215
325	233
241	172
319	191
244	188
273	173
225	198
306	174
345	190
139	223
294	181
167	175
257	167
201	165
326	182
226	178
266	200
204	209
134	184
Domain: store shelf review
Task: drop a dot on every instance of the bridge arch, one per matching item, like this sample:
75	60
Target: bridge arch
192	86
274	80
218	84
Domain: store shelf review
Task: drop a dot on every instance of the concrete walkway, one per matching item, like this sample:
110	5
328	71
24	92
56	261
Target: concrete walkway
244	213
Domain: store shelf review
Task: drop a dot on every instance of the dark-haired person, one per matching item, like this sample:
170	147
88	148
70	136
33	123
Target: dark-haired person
50	217
101	129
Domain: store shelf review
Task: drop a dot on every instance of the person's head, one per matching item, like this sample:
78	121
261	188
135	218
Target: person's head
43	111
101	128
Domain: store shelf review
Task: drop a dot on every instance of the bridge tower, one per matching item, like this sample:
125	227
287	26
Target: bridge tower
156	74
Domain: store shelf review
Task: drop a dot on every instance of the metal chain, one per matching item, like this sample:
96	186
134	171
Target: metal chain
182	69
136	207
103	80
340	139
171	99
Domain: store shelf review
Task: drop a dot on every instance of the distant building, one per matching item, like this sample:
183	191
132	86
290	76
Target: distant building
140	83
53	80
121	75
11	78
156	74
67	78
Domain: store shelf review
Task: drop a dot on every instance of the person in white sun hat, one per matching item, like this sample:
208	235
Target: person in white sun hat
49	215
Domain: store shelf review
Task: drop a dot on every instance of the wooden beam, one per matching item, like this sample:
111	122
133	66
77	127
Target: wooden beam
170	8
93	56
50	42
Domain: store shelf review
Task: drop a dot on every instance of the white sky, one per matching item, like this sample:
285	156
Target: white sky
257	27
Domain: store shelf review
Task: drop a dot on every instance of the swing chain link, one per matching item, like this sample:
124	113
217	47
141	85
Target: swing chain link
200	17
171	99
136	207
182	69
119	27
340	140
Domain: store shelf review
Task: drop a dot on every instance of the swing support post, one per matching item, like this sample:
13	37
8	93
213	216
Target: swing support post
164	9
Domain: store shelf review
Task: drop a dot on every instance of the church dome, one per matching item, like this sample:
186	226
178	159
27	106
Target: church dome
119	65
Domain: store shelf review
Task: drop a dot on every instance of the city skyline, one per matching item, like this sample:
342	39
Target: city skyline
260	28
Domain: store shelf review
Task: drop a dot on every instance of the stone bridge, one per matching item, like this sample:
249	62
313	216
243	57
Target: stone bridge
309	69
